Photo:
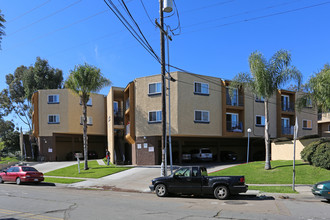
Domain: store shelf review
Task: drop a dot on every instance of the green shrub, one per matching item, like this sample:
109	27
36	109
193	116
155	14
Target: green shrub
321	156
308	151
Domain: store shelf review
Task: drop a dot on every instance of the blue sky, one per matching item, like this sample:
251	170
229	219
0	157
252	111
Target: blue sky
217	36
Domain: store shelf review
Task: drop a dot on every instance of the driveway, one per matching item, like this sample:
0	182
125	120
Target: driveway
50	166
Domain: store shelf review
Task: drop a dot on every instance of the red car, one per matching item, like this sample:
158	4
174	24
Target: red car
20	174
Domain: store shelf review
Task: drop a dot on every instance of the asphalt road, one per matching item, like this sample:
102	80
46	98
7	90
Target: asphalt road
47	202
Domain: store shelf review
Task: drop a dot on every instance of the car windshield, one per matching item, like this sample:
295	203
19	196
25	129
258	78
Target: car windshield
206	151
29	169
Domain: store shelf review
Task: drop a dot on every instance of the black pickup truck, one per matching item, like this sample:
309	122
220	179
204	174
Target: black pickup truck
193	180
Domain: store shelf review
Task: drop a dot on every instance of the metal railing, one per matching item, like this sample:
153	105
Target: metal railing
287	130
287	106
235	101
238	127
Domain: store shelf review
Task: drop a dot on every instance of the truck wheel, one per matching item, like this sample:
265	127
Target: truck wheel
221	192
18	181
161	190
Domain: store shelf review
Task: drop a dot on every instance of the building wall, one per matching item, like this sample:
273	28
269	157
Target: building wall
254	108
306	113
284	150
70	111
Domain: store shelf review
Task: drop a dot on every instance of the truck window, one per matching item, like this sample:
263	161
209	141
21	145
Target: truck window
183	172
195	171
203	171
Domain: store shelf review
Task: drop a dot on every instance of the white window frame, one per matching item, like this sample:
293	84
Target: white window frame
156	86
53	102
203	120
309	103
229	113
203	86
158	116
307	128
89	120
286	119
287	104
56	119
261	117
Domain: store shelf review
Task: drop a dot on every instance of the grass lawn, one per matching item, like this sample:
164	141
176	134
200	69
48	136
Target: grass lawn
273	189
95	170
281	173
8	159
61	180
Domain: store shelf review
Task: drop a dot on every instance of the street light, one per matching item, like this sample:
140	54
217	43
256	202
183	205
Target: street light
248	147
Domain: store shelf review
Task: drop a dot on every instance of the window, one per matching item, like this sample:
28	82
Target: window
89	120
260	98
232	99
155	88
260	120
202	116
201	88
307	124
53	119
89	103
285	102
285	122
53	99
309	103
155	116
115	108
232	123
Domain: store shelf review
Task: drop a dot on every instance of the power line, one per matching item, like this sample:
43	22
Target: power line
242	13
261	17
22	15
48	16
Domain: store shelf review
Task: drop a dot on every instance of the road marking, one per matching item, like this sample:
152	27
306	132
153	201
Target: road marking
28	215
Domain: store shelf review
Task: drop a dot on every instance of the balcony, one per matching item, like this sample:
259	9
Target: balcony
287	106
287	130
234	127
235	101
118	118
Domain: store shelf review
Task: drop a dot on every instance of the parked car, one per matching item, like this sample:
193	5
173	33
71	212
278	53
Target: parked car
186	157
202	154
228	156
193	180
20	174
92	155
322	190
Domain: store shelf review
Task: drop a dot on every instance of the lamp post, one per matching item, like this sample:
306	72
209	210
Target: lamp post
248	147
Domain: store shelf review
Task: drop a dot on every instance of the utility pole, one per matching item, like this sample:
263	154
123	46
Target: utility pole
162	60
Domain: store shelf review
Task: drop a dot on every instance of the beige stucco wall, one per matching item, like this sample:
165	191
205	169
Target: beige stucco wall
252	109
70	111
284	150
306	114
183	104
188	102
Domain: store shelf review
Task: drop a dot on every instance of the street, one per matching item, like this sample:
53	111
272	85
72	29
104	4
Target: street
49	202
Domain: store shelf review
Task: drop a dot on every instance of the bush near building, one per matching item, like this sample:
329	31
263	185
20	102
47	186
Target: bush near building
318	153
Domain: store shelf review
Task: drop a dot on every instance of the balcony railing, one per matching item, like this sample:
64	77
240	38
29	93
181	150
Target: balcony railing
234	101
287	106
287	130
232	127
118	118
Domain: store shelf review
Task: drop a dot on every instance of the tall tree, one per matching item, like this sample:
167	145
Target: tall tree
23	83
84	80
9	137
2	32
265	79
317	89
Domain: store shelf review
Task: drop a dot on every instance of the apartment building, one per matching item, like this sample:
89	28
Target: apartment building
57	124
324	124
205	113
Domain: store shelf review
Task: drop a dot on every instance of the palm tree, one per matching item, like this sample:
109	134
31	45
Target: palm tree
83	80
2	20
265	79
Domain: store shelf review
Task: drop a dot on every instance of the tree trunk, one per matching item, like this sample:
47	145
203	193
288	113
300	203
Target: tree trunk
267	137
85	138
